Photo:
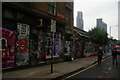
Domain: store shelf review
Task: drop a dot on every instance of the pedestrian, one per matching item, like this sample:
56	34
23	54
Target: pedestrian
114	56
100	53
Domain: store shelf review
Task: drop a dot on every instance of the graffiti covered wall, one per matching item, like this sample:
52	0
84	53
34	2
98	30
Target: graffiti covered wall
78	50
8	47
22	56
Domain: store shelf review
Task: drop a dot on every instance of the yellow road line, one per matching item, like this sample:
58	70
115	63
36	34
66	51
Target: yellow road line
80	71
83	69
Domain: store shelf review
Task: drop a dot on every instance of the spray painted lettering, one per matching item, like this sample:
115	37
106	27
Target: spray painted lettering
8	46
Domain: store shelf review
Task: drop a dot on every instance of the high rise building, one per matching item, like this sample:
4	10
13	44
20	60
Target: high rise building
80	21
119	20
101	24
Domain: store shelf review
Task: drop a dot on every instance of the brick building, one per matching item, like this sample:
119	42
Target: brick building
28	26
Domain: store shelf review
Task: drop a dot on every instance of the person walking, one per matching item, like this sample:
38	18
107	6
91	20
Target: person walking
114	56
100	53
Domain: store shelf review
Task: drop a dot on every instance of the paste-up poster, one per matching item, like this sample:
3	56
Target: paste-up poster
7	47
22	57
57	46
22	45
67	47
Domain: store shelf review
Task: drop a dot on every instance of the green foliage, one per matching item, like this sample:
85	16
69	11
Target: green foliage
99	36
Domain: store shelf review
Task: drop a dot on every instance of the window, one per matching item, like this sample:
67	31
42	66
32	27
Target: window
52	6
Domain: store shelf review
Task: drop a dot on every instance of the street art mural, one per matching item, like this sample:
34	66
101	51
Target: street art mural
7	40
78	49
90	49
49	45
67	48
41	51
58	45
22	57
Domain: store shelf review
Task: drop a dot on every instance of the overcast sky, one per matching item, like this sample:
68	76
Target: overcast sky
93	9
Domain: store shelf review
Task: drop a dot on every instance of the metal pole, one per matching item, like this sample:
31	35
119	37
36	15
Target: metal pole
52	55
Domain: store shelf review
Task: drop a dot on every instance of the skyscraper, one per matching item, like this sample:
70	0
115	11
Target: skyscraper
101	24
79	21
119	20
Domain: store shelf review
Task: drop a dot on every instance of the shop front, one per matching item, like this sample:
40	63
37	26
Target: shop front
19	36
27	37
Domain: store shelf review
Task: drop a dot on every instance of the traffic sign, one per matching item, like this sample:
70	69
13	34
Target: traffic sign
53	25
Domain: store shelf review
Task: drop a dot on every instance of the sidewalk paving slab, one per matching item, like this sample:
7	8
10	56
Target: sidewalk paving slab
59	69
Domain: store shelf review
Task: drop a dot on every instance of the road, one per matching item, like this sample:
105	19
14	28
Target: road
103	70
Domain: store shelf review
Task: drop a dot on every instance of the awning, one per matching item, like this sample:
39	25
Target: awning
82	35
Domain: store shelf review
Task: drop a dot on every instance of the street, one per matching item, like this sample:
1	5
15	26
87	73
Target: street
103	70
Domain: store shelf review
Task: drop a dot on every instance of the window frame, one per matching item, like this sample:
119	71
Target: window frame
52	8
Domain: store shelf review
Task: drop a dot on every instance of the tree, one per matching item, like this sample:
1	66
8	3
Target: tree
98	36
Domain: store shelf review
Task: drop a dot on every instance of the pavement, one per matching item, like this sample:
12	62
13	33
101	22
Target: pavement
59	69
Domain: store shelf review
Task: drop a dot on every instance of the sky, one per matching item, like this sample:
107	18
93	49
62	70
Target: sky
94	9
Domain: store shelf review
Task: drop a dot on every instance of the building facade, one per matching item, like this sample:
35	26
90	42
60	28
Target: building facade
79	21
84	46
27	33
119	20
101	24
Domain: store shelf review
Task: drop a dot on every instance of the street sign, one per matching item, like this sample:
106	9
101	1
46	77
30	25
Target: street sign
53	26
53	29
